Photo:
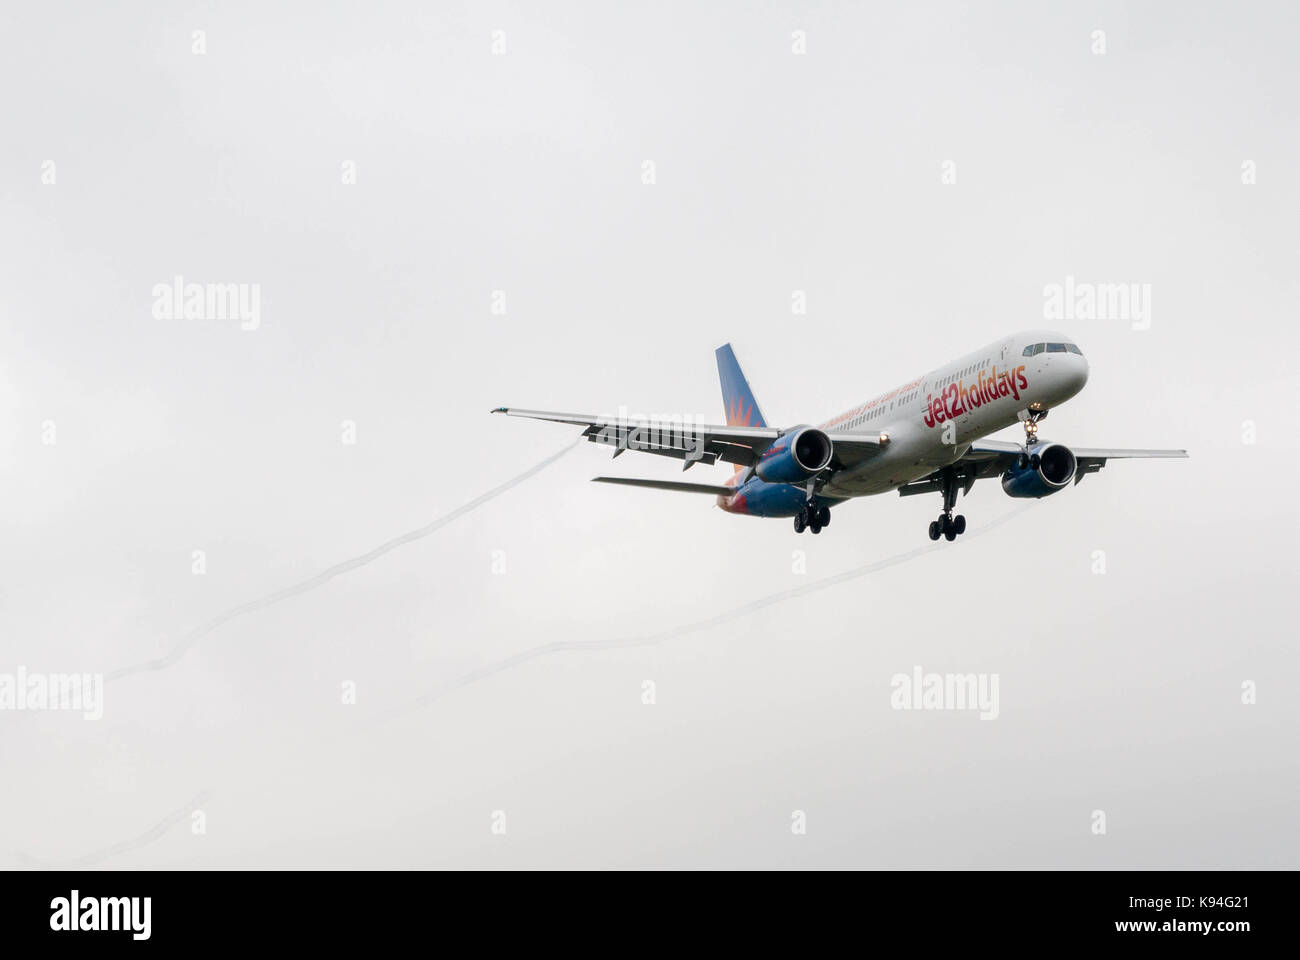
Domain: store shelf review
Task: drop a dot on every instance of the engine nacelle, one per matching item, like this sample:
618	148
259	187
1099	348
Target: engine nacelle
1055	470
795	456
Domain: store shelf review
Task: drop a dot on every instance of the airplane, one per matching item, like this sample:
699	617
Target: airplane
925	436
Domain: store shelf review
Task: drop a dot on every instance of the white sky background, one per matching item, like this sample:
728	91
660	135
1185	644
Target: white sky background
522	172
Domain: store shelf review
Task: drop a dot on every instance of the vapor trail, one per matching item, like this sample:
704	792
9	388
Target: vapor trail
560	646
194	636
525	656
124	846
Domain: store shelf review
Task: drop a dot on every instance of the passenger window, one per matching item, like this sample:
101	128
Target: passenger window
1056	348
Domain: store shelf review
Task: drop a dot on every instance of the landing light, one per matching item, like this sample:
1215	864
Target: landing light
884	437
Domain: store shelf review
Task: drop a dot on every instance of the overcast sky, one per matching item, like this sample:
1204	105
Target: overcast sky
499	154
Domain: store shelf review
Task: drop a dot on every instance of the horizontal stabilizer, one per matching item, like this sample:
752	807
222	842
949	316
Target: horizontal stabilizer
717	490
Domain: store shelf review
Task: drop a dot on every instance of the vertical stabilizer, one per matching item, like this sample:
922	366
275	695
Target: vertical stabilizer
737	399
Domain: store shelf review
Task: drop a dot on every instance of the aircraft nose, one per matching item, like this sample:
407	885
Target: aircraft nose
1075	374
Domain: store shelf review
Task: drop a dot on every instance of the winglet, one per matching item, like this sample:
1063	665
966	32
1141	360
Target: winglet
500	410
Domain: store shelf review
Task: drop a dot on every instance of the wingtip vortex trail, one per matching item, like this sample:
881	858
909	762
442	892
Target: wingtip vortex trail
183	646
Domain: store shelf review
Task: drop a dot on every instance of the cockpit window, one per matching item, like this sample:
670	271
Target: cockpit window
1034	349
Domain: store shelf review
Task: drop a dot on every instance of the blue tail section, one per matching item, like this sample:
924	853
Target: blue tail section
737	398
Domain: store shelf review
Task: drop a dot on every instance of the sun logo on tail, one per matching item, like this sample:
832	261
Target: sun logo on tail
738	415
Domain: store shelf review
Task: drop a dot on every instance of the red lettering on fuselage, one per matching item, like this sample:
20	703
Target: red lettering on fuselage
959	398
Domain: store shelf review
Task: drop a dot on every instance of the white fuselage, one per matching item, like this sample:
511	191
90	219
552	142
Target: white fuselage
932	420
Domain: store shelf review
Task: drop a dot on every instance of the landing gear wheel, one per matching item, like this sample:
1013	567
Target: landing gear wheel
1035	460
822	515
815	527
948	527
1022	461
799	522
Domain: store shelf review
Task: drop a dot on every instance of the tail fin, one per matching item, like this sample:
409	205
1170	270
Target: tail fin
737	398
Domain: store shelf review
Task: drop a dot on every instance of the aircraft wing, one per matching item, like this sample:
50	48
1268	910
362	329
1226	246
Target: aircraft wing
691	443
990	458
852	449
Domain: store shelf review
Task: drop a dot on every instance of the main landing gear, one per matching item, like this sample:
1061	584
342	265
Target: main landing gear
812	515
948	526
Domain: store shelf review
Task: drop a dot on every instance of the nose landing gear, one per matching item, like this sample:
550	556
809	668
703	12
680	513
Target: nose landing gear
1027	459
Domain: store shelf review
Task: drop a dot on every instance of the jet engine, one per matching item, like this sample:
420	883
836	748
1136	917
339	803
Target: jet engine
795	456
1047	469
